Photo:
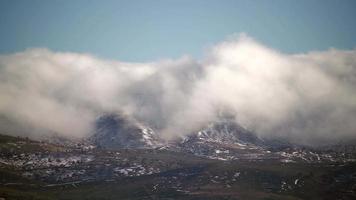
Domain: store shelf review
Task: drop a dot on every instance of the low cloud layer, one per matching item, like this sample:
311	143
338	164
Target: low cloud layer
309	98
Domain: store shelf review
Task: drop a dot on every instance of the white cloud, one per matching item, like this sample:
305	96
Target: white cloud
307	97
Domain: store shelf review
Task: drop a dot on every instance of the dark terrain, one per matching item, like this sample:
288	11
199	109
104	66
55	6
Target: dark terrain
223	161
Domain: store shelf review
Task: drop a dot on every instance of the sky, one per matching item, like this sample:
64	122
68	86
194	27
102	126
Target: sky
149	30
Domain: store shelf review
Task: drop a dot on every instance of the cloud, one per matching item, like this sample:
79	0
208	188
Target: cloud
309	98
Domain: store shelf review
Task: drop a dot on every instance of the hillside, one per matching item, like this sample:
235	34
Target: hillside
41	170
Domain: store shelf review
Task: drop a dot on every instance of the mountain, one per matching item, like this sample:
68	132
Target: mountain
226	140
125	159
222	139
113	131
226	131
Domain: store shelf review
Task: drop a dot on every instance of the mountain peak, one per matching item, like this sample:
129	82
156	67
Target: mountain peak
226	131
114	131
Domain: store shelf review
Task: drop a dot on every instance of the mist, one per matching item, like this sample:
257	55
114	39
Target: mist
307	98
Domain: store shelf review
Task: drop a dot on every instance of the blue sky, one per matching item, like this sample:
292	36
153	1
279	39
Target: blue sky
148	30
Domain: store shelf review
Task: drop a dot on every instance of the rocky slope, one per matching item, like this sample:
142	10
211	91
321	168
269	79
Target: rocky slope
222	139
113	131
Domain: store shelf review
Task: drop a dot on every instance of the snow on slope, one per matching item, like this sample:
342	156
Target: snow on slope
114	132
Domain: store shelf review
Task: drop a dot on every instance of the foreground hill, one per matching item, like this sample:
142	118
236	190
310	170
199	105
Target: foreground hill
42	170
